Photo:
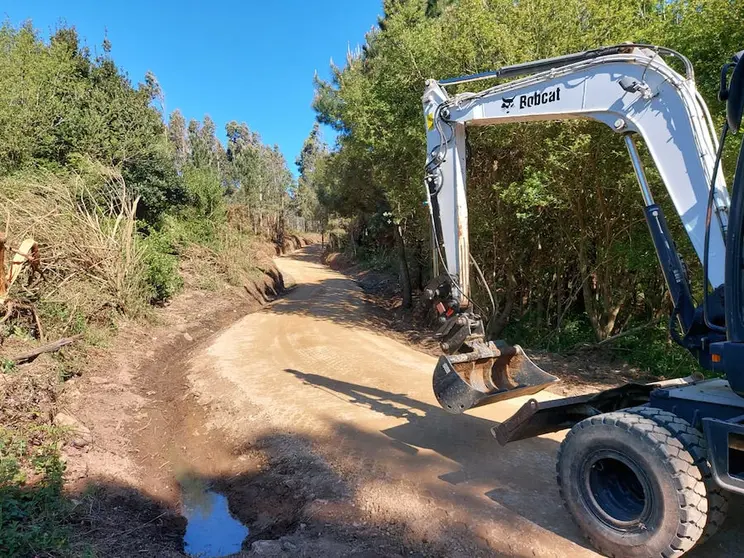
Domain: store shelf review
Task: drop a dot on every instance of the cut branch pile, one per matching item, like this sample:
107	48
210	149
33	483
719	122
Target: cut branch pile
27	253
92	268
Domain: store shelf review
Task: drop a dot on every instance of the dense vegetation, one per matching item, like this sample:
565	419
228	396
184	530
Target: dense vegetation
556	220
125	207
127	204
73	128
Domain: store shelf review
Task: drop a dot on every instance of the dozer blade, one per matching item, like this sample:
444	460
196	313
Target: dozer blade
466	380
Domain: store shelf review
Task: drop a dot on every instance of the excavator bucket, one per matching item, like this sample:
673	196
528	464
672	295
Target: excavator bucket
466	380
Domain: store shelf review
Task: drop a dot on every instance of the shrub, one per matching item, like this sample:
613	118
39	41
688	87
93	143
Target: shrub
161	260
32	518
205	193
653	351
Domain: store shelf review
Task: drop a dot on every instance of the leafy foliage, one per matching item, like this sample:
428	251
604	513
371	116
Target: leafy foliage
123	207
32	518
310	190
555	217
58	104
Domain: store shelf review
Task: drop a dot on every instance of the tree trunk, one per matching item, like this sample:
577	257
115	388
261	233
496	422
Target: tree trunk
498	323
419	267
350	246
405	275
609	319
590	306
599	305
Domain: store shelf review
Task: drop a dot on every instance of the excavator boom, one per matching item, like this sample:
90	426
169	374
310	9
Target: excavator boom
632	90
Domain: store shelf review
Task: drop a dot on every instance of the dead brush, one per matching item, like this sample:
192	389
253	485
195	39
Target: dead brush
26	255
28	397
86	228
235	256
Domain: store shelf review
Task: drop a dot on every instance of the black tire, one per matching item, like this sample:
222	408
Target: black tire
632	486
693	441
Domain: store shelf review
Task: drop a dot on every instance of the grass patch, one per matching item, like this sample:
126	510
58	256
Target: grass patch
654	351
7	366
530	332
377	259
33	511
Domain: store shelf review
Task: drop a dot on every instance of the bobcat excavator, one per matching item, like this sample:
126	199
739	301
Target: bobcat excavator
645	469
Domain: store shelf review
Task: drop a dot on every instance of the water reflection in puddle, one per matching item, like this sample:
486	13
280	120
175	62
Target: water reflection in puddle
211	531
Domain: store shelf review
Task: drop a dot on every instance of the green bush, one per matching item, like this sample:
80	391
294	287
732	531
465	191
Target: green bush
650	349
377	258
528	331
161	260
205	193
187	228
32	518
653	351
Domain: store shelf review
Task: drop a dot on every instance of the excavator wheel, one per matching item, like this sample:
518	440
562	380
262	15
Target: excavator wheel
694	442
634	484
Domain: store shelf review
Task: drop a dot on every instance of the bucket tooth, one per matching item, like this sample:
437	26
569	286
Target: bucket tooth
486	375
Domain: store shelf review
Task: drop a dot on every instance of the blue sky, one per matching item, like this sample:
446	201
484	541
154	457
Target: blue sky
250	61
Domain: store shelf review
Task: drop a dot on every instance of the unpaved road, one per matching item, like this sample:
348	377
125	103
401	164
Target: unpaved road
350	416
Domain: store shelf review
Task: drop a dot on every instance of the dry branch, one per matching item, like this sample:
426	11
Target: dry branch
3	282
48	348
28	252
609	340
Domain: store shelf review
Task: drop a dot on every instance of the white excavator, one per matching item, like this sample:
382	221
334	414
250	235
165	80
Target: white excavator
644	470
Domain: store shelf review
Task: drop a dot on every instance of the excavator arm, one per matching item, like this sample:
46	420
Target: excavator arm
632	90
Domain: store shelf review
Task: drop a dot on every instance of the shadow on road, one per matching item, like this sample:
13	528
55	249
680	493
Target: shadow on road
336	300
296	503
343	301
298	500
310	254
519	477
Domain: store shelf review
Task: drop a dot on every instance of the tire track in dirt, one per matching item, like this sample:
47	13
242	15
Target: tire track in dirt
323	432
312	371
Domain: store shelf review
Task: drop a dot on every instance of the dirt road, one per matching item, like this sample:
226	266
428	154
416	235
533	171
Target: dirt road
347	416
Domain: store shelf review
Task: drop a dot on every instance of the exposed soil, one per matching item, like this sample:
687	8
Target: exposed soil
133	404
581	373
314	415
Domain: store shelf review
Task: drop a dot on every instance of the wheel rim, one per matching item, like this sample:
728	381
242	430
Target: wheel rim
617	491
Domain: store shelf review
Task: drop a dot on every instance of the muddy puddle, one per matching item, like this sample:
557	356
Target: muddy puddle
211	531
